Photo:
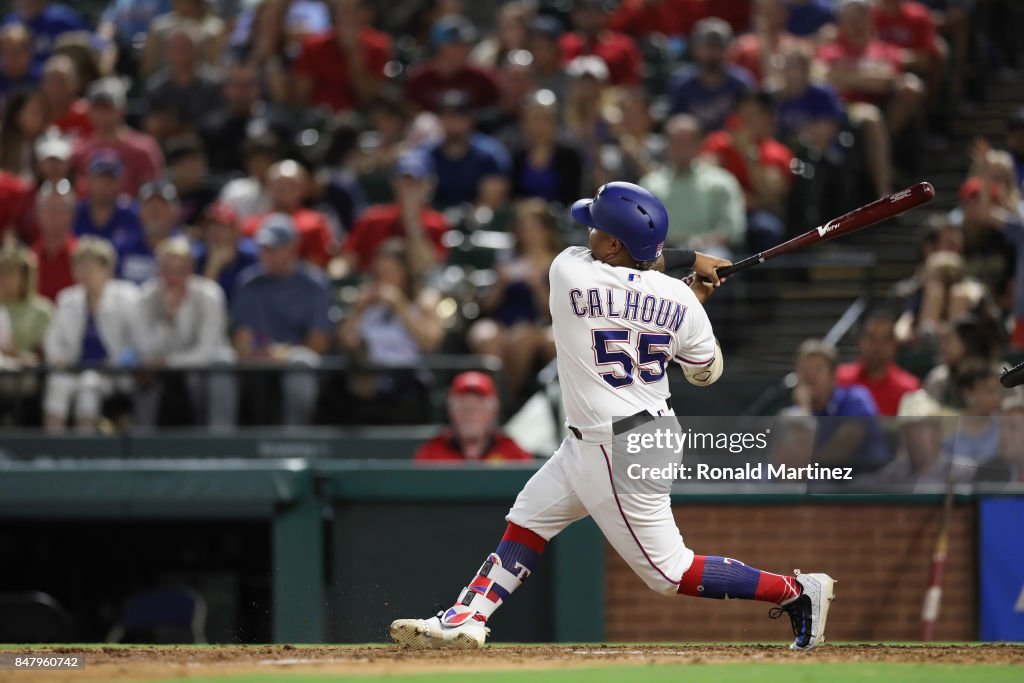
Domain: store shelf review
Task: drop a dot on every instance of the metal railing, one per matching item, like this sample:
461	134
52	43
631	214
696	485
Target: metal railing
441	368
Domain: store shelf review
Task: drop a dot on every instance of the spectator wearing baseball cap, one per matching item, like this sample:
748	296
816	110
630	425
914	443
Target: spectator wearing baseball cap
345	67
160	214
710	88
53	156
104	211
139	153
470	166
279	316
473	434
223	253
408	218
288	184
55	218
451	39
592	36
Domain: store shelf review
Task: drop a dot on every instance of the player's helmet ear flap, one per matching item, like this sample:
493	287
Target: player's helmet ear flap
629	213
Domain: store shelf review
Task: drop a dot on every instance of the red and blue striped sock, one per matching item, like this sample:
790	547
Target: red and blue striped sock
723	577
504	570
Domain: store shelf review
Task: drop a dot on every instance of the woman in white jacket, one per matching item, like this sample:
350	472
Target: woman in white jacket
92	327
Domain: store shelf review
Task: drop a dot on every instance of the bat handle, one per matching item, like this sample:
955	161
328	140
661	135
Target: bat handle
749	262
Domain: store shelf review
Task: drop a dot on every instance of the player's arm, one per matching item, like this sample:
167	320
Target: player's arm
697	351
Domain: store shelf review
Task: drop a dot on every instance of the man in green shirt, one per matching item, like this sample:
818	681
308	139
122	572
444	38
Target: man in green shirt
705	203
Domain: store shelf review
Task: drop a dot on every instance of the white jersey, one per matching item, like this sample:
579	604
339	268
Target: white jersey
616	331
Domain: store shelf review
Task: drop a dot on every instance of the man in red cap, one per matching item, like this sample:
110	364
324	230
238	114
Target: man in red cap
474	434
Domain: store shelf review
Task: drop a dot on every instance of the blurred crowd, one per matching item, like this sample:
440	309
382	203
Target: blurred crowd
932	354
283	184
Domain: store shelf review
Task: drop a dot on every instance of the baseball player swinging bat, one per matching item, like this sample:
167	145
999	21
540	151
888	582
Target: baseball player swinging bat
618	325
858	219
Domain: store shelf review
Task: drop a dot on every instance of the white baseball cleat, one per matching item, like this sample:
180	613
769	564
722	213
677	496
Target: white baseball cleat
422	634
809	612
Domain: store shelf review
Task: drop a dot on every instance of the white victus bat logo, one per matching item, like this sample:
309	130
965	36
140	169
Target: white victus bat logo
900	195
827	228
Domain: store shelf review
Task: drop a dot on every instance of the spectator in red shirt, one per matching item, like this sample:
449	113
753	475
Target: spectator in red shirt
55	214
865	69
288	184
593	37
15	202
343	68
139	153
875	368
761	51
760	164
452	39
641	18
409	217
60	90
908	25
474	434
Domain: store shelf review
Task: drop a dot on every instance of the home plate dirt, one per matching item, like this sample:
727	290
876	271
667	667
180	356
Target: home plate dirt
142	663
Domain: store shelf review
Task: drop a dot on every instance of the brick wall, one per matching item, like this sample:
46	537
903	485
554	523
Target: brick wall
880	555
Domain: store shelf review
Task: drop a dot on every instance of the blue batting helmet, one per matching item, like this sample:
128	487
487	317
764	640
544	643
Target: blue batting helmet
628	213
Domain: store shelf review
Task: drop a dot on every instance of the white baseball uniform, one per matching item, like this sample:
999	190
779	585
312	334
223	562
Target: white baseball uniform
616	331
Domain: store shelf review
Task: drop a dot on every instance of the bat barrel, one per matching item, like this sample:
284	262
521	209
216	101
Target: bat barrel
867	215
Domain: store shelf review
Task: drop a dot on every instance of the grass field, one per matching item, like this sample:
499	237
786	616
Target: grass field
581	663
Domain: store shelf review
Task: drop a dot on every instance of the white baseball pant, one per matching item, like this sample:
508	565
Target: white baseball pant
577	481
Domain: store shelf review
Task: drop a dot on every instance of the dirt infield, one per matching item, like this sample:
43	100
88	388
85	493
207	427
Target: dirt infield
150	663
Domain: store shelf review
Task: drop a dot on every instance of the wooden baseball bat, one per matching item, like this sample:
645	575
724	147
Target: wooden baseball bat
858	219
933	596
